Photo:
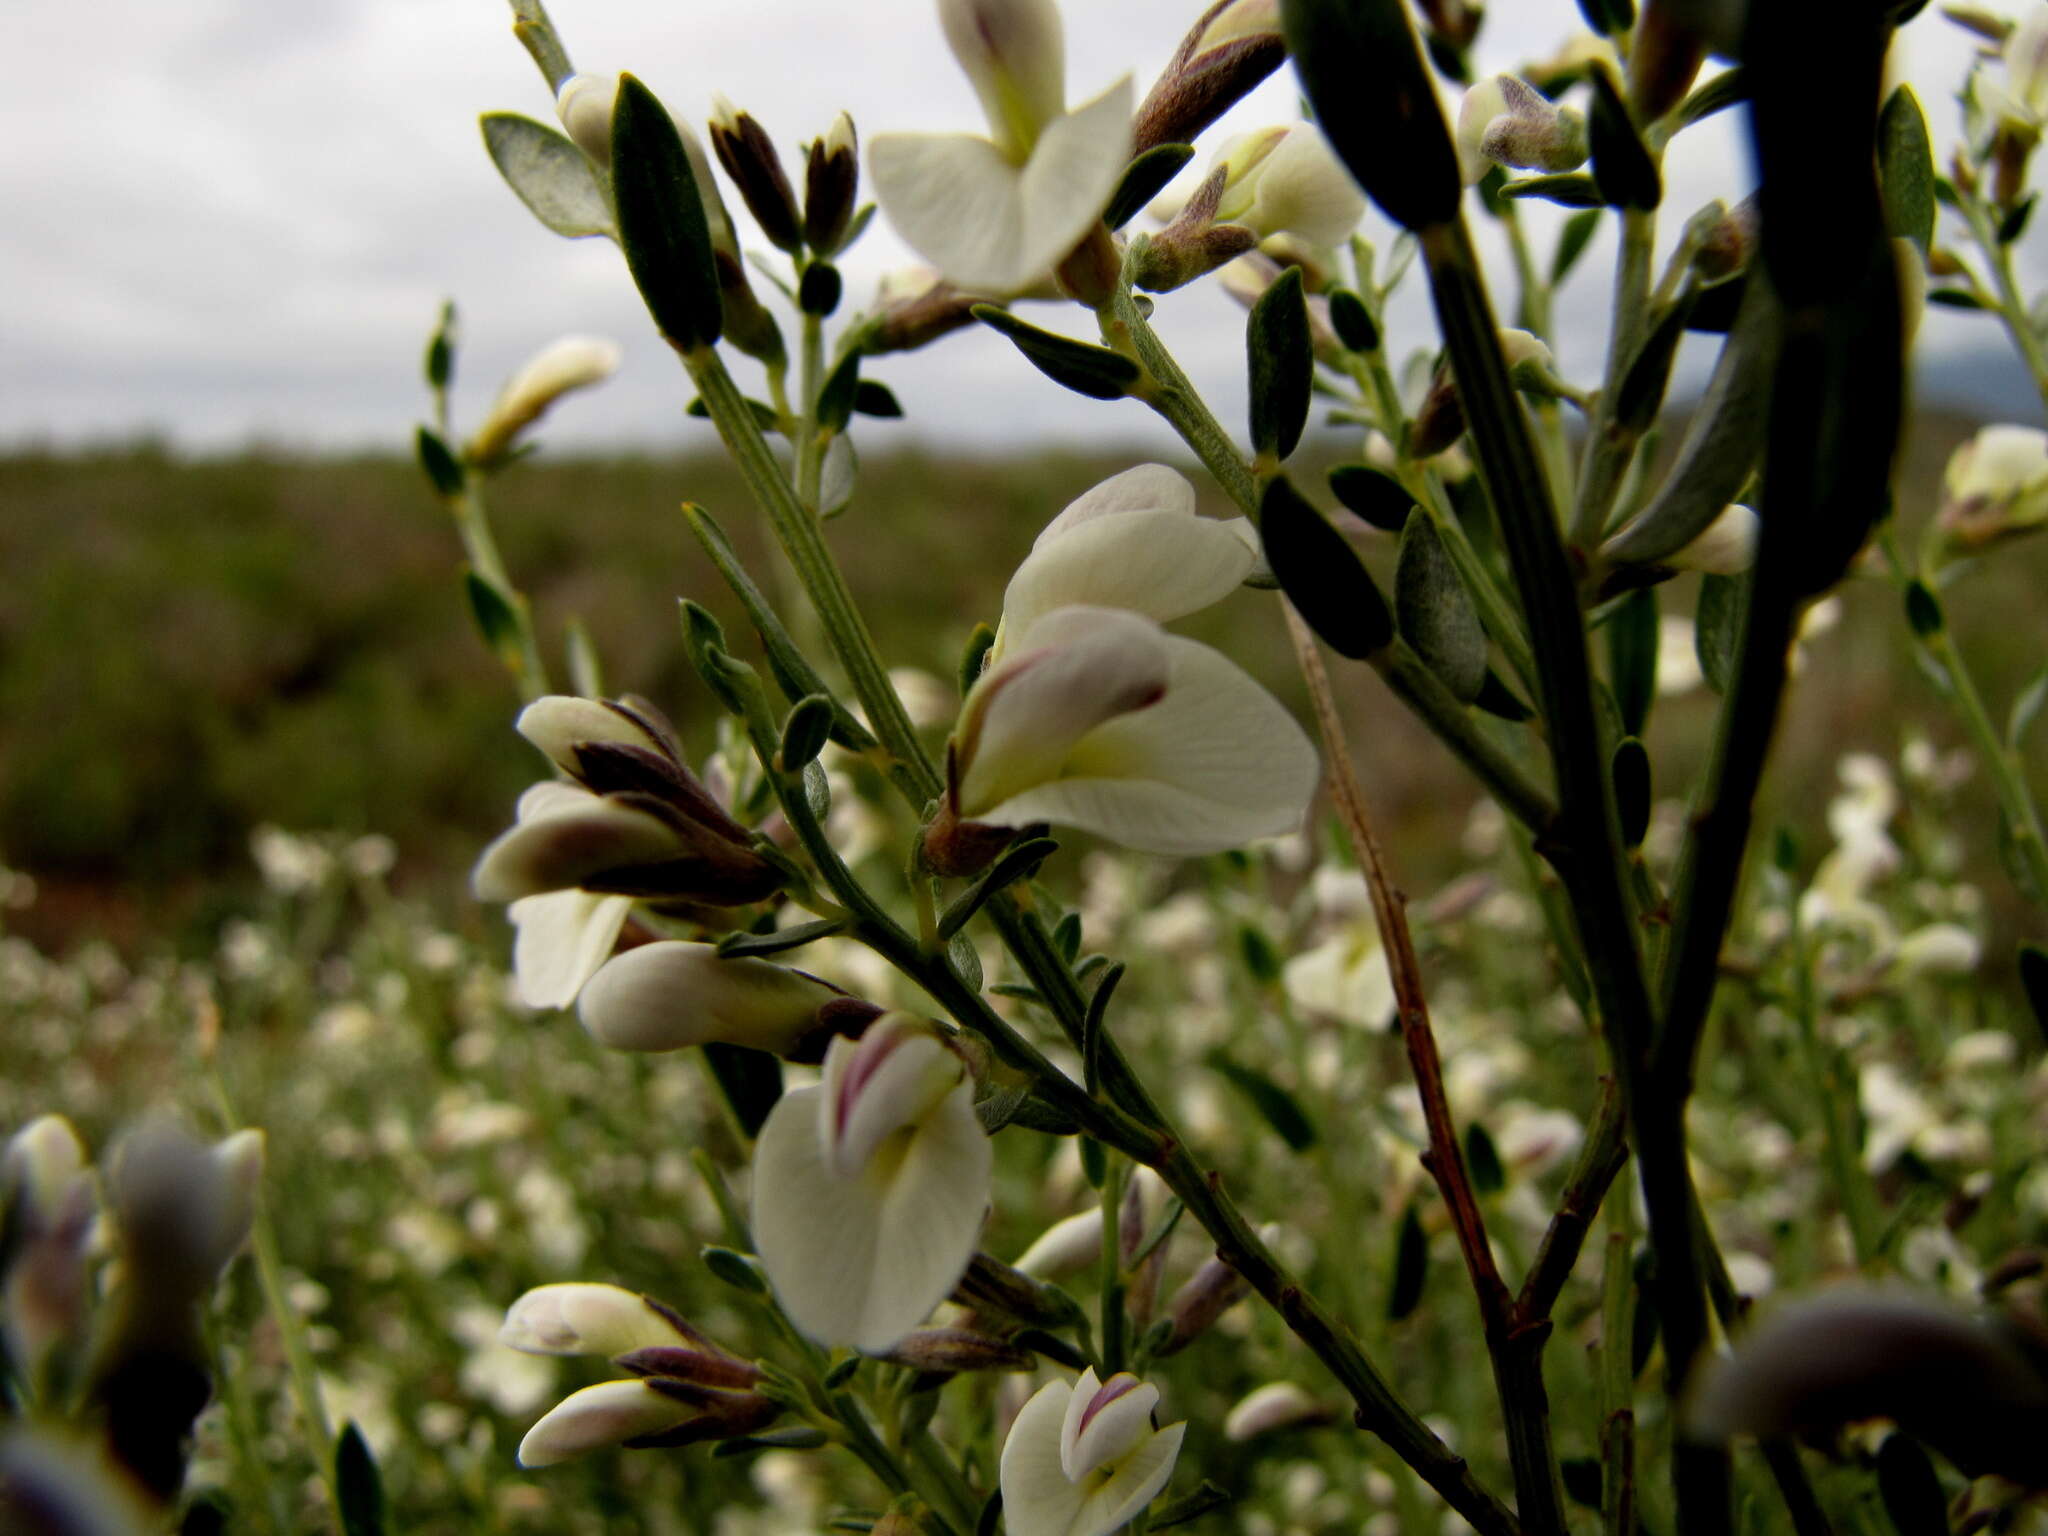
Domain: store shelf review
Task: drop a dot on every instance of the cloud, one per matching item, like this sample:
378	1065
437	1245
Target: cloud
237	219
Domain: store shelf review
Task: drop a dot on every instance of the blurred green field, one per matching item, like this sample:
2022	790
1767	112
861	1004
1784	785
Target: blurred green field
191	648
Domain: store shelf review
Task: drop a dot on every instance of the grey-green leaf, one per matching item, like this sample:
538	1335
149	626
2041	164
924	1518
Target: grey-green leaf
1280	357
1717	628
1905	167
549	174
1435	612
1089	370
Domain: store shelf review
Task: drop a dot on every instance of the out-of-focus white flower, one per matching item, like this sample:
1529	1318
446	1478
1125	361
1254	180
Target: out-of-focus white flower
1133	542
1276	1406
2014	97
291	865
1727	546
570	363
1286	180
1098	719
1507	121
869	1189
994	214
46	1188
1344	977
1938	949
669	995
1678	662
1081	1460
1996	484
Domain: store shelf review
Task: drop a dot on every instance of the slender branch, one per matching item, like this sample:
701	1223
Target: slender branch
1517	1366
1602	1156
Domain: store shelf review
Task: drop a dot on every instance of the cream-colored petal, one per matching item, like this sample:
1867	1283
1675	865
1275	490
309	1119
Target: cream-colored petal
1072	670
557	723
958	203
598	1418
1014	51
1726	547
1163	564
1215	764
1038	1497
863	1261
562	847
560	940
1105	1425
670	995
1302	189
581	1318
1075	166
1146	488
885	1083
1136	1482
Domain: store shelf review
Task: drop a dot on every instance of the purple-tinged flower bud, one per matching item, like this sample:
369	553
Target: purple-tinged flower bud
748	155
1507	121
1210	1292
1440	421
47	1212
712	1368
993	1286
639	1413
914	308
1232	47
1277	1406
831	183
954	1350
1664	59
1995	487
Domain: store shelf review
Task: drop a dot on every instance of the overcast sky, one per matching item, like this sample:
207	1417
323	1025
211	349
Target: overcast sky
229	221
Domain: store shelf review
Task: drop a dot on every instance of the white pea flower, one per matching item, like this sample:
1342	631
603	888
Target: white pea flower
1081	1460
1344	977
1995	484
570	363
1096	718
1133	542
1285	180
669	995
994	214
2014	98
869	1189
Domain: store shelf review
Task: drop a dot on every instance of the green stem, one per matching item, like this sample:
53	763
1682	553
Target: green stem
1115	1178
809	444
291	1333
1824	1075
2012	307
2022	816
797	530
1606	452
941	1484
473	526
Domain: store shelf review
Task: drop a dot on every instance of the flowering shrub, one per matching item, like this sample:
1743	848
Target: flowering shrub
1633	1069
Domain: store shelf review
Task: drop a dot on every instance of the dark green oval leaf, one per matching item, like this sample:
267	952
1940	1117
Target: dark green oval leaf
1280	357
662	226
1089	370
1322	575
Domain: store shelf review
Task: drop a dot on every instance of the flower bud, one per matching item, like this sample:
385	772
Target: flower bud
584	104
1232	47
1995	487
669	995
1286	179
831	182
1440	420
1211	1291
1531	366
559	724
954	1350
1507	121
47	1213
914	307
992	1286
579	1318
1726	548
625	844
1015	55
637	1413
1664	60
572	363
1727	243
1065	1248
1278	1405
748	155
